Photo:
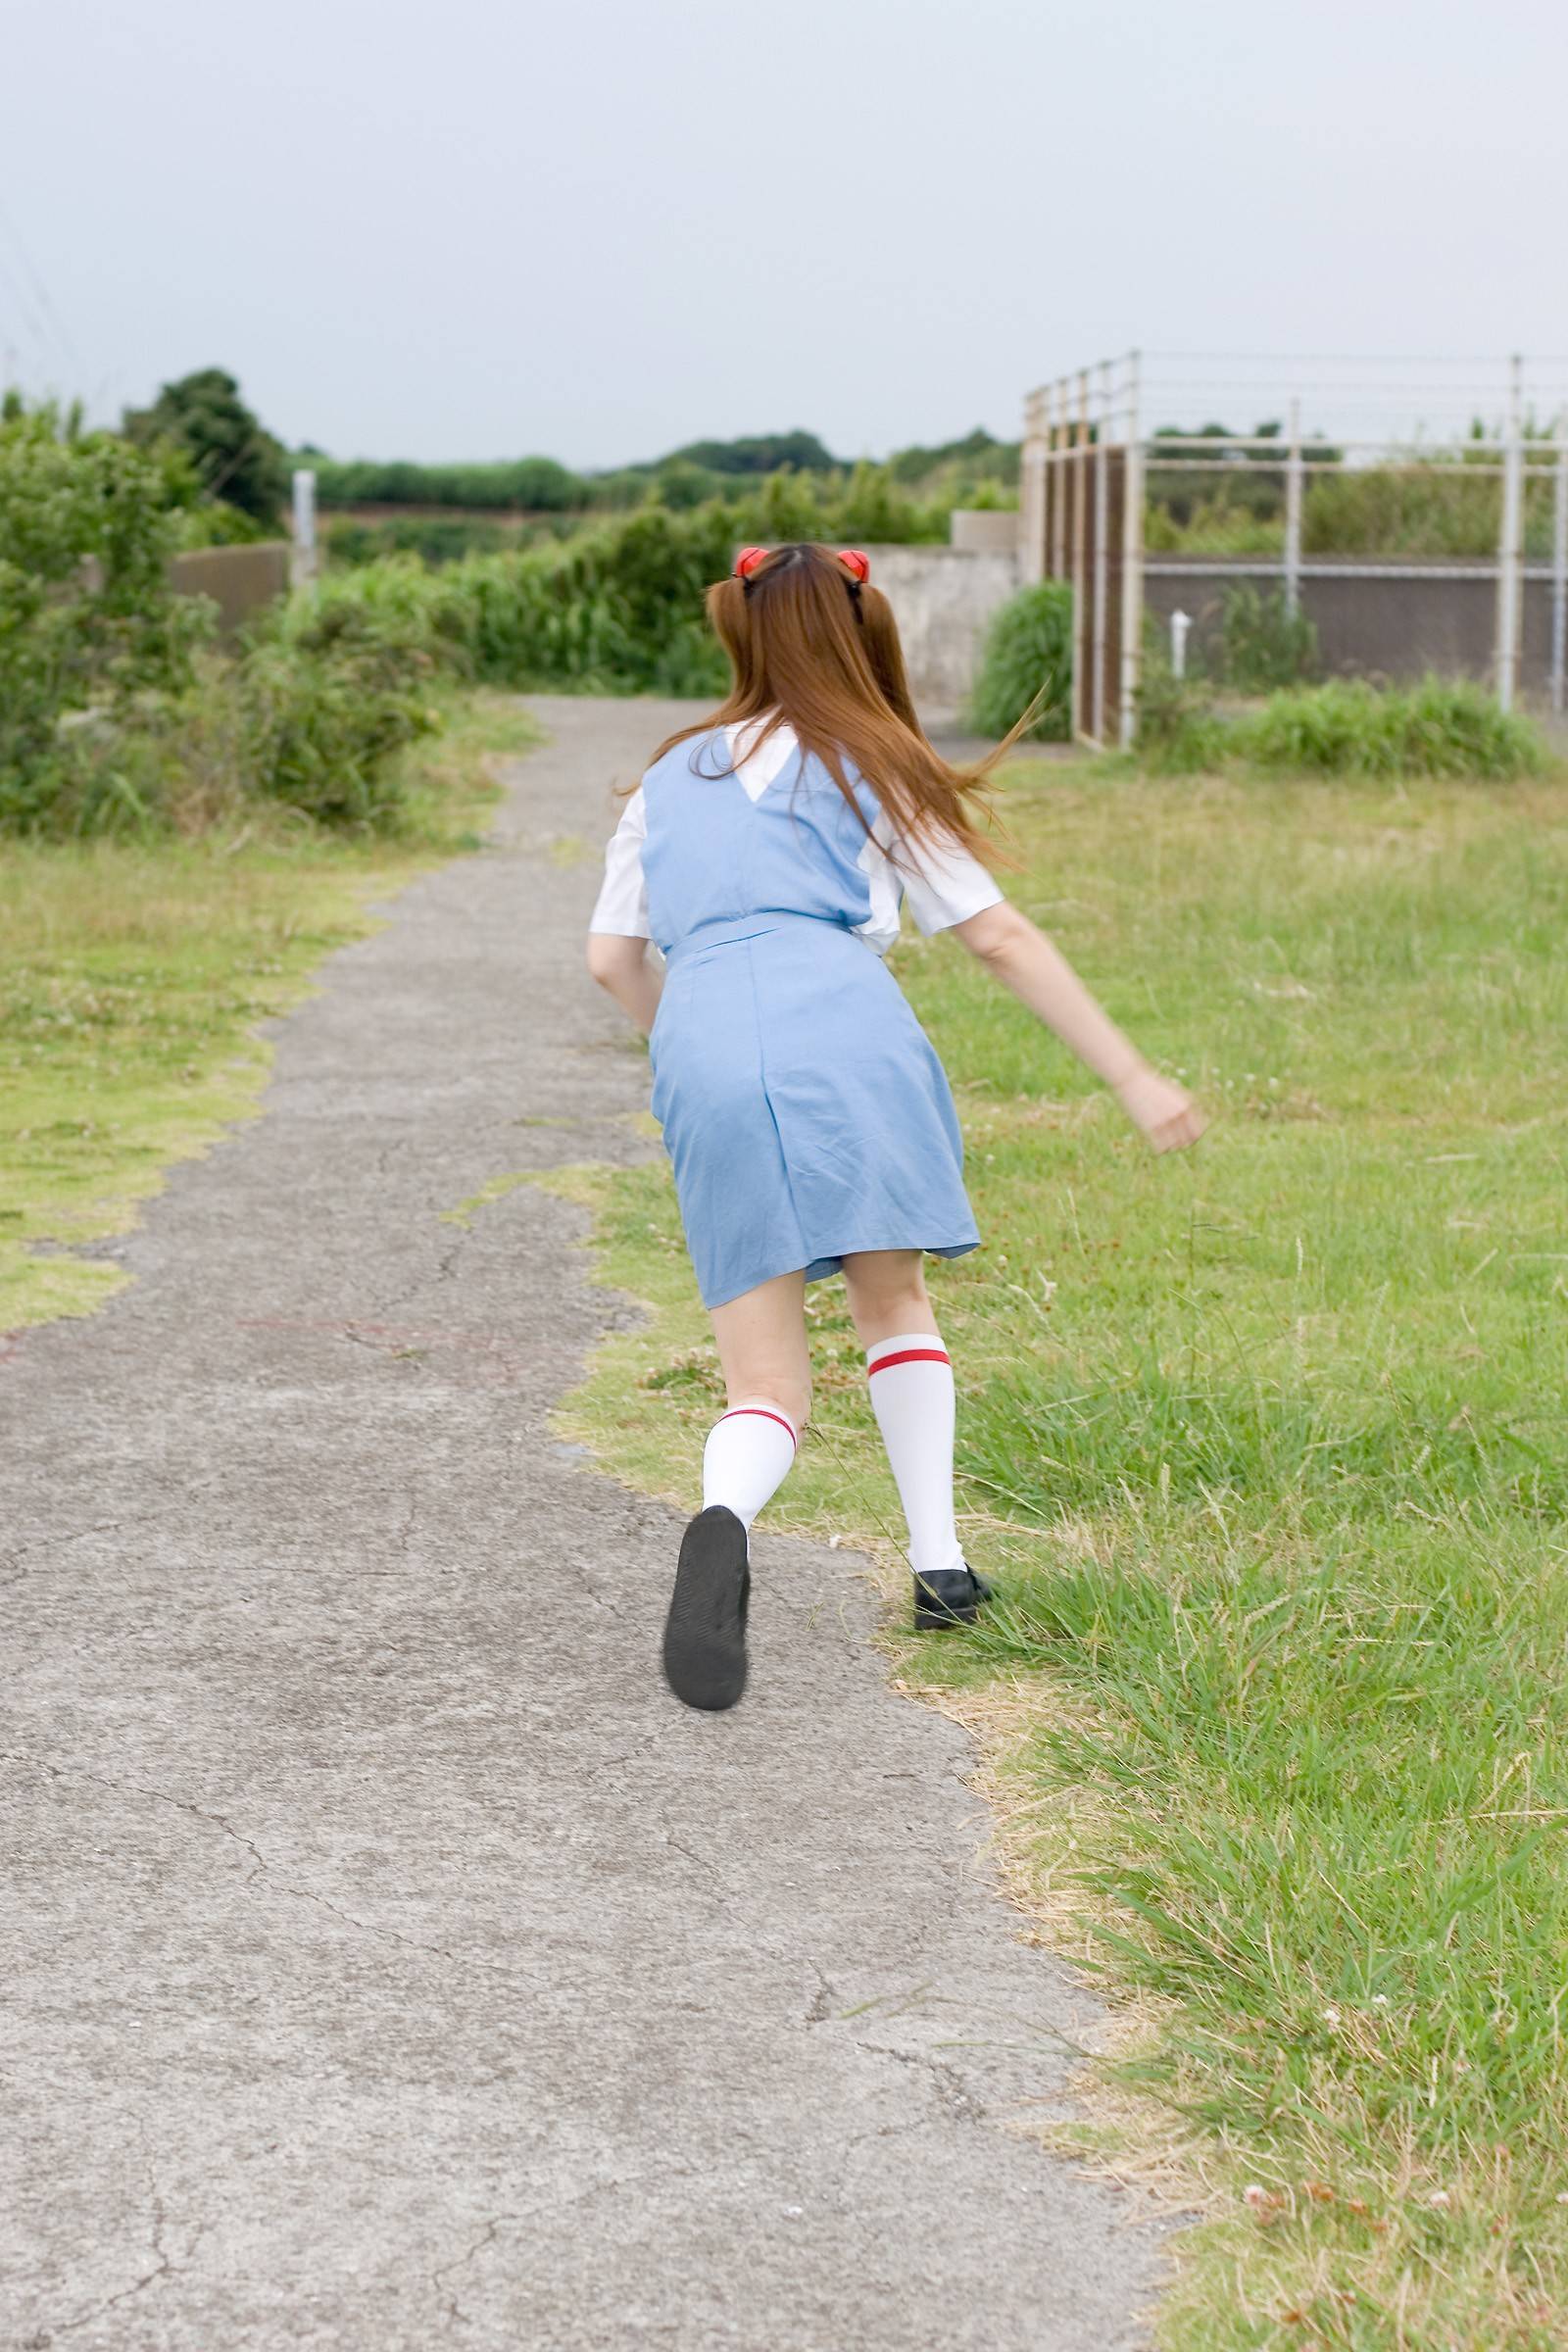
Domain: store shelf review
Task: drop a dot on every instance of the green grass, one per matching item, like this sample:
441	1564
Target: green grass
132	975
1266	1446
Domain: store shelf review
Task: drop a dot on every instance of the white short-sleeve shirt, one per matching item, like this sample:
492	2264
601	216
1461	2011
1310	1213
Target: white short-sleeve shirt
941	880
622	903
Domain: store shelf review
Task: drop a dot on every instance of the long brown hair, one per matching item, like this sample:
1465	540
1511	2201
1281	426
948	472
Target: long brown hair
811	647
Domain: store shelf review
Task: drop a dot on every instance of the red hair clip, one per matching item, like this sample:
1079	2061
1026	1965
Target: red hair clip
854	560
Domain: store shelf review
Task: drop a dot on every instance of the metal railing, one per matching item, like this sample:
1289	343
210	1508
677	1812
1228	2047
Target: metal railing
1090	464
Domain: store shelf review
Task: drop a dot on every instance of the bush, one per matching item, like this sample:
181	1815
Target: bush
1178	731
384	622
88	623
327	686
1263	643
319	734
1442	727
1028	654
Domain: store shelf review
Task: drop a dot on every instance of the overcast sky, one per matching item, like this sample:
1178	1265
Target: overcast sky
604	228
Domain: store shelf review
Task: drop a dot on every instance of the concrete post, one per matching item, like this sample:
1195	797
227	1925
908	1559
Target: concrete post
306	554
1031	553
1058	483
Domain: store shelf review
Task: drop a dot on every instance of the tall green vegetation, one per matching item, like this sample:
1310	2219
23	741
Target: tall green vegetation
1441	727
616	609
90	632
1027	659
774	484
1451	508
1263	641
120	713
1432	503
864	503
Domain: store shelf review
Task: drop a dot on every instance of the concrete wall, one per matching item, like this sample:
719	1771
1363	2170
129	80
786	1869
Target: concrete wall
984	530
240	580
944	598
1376	628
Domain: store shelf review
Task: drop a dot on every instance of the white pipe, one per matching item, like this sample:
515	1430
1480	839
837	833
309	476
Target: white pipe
1180	623
1293	513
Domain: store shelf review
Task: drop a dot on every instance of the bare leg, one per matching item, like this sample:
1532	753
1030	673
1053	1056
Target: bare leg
761	1347
887	1293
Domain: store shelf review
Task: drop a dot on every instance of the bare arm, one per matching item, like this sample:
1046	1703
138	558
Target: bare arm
625	969
1039	976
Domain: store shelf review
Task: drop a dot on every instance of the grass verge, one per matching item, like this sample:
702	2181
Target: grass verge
132	976
1266	1448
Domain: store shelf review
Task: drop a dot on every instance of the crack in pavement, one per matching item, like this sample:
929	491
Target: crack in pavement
162	2267
264	1869
19	1555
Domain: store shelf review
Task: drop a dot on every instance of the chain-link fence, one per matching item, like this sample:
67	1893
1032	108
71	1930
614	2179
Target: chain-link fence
1364	518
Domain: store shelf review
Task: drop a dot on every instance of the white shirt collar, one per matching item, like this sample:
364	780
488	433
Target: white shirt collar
755	768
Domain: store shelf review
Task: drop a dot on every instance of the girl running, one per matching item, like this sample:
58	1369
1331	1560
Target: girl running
766	853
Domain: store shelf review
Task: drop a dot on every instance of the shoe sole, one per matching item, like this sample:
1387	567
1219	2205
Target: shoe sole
705	1632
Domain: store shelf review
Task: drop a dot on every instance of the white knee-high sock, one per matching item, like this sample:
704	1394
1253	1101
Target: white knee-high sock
746	1457
911	1394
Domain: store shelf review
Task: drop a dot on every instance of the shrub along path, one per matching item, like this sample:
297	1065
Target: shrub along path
393	1962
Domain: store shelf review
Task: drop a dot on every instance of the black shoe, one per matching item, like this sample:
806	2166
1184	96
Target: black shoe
949	1596
705	1632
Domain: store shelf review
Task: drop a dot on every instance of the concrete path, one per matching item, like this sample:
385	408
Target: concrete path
391	1963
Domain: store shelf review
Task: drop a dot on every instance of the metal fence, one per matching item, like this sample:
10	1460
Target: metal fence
1098	449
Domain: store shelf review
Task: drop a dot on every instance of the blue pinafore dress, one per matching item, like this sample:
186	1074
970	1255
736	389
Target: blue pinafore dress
803	1106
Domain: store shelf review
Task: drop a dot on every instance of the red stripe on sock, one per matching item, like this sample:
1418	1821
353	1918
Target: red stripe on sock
912	1355
763	1414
